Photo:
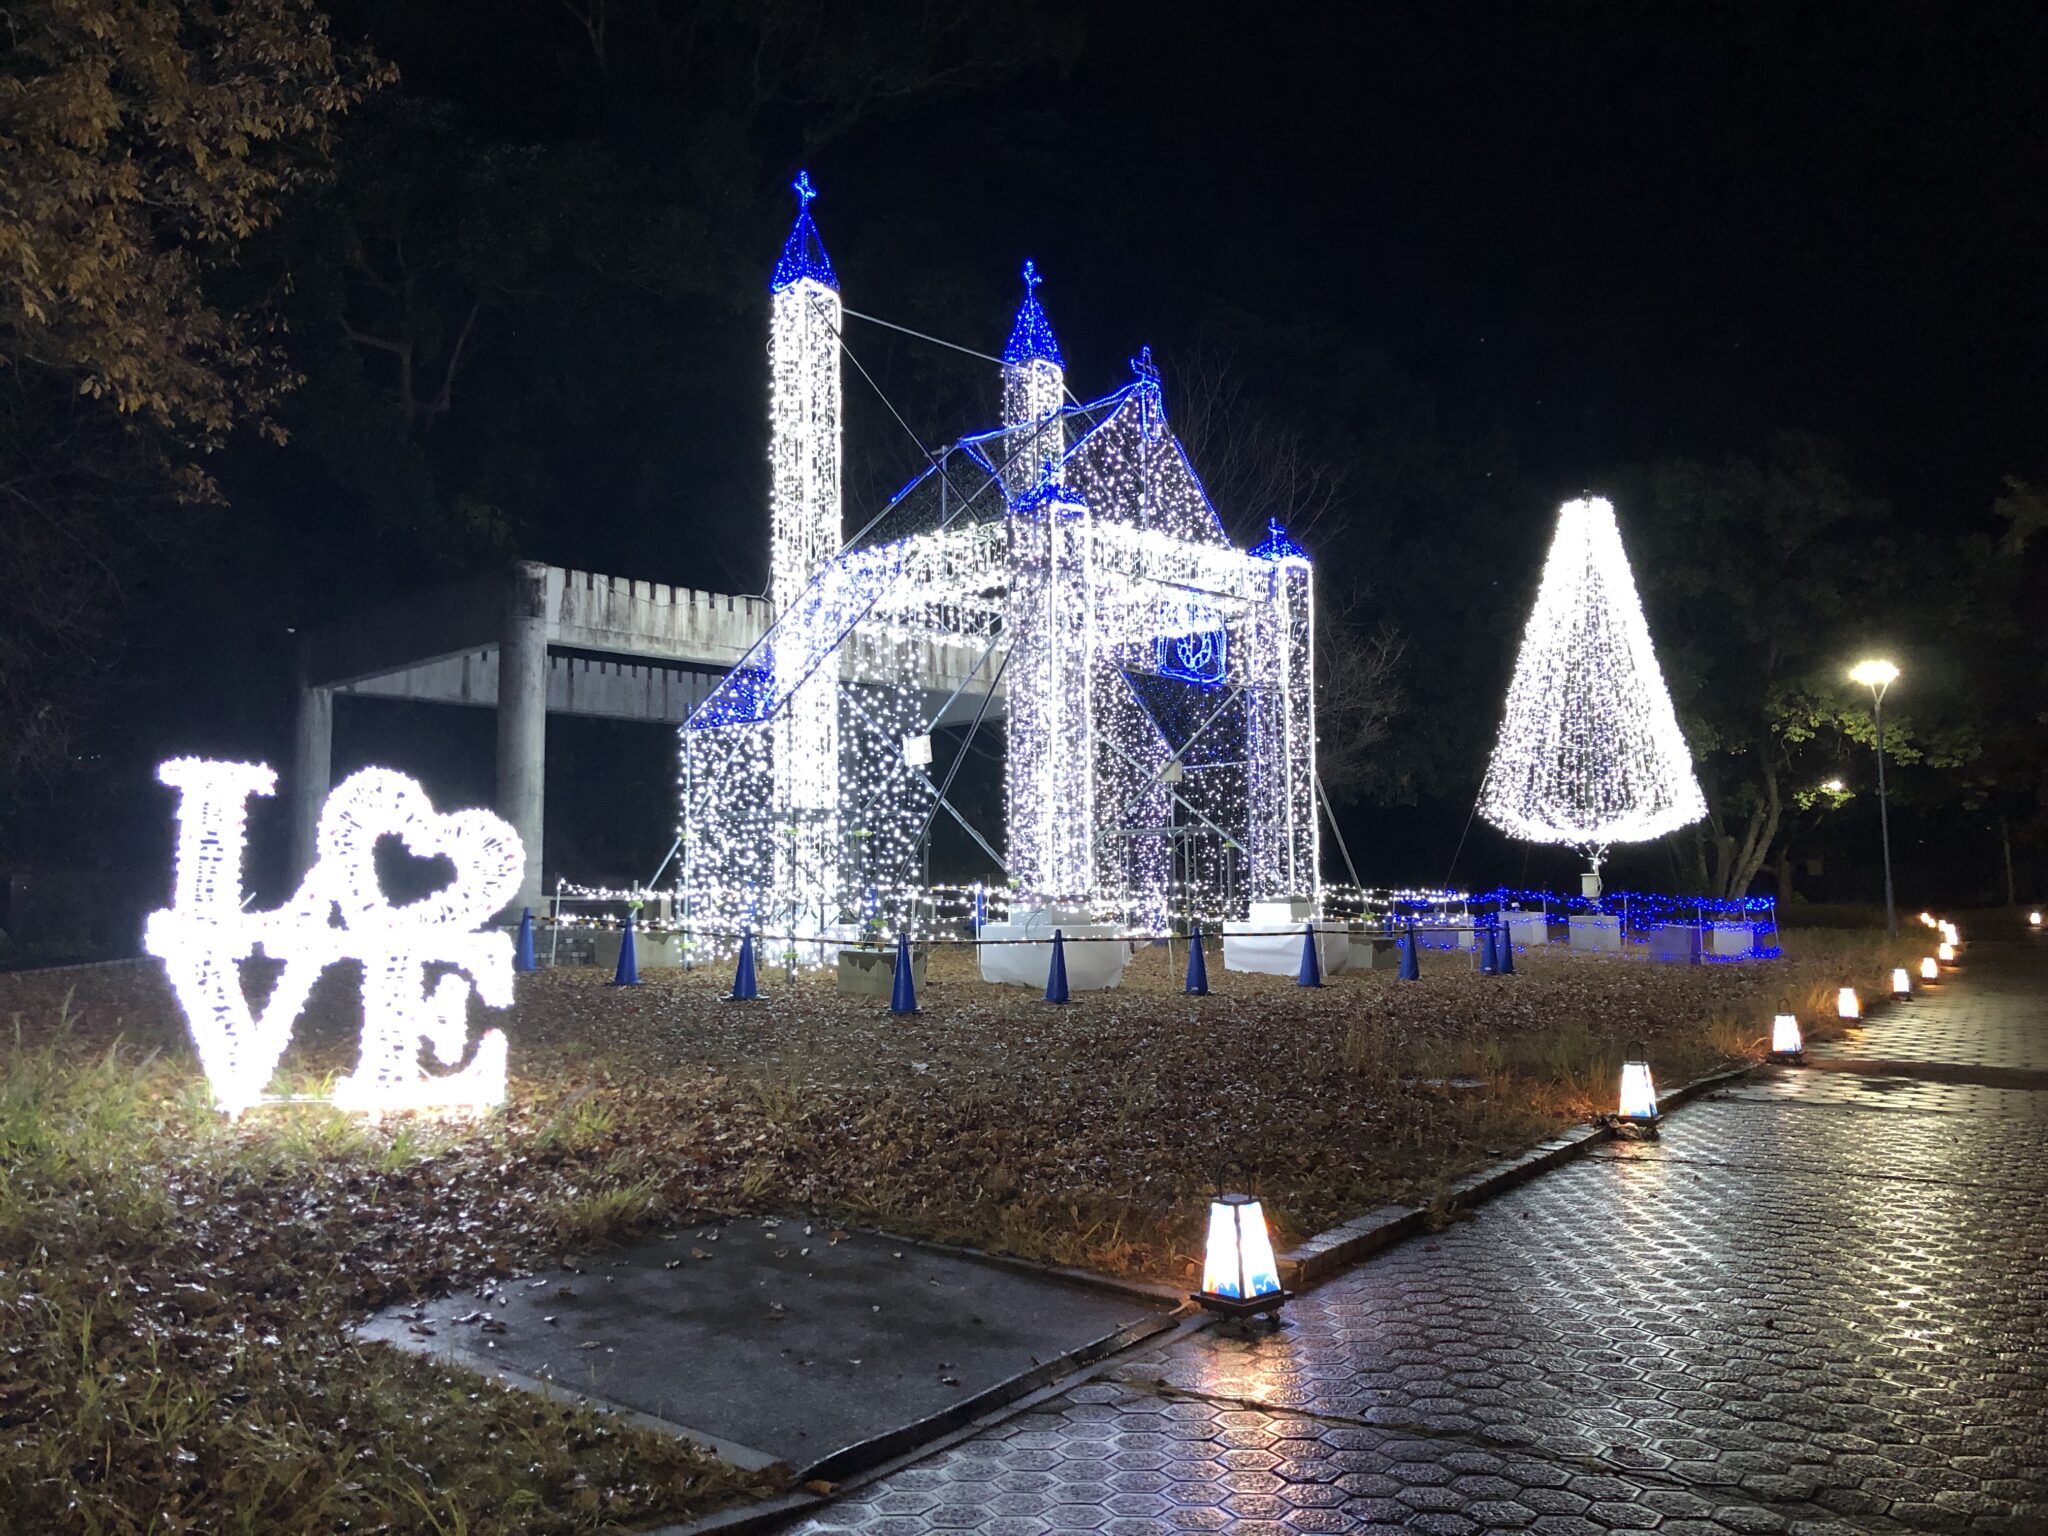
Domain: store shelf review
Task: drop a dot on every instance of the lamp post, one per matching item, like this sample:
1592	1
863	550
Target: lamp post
1878	675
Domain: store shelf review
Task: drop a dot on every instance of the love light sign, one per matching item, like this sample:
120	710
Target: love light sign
340	913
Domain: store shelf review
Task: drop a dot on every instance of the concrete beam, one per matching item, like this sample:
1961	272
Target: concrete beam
612	614
591	687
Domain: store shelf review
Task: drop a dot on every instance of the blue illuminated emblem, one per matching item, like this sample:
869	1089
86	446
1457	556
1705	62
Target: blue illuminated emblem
1192	646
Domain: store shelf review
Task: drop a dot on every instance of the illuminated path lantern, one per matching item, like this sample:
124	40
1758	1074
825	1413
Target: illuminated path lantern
1787	1044
341	913
1638	1107
1239	1276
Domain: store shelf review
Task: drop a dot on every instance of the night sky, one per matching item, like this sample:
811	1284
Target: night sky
1605	233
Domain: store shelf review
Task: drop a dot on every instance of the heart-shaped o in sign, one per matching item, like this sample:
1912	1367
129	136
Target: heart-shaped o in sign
379	803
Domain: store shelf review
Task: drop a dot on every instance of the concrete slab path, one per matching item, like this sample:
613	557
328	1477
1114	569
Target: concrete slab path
1818	1306
772	1339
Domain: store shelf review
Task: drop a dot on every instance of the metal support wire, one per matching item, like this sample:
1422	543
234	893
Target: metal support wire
1214	715
1481	795
939	341
960	757
1178	798
1330	811
968	827
936	461
974	671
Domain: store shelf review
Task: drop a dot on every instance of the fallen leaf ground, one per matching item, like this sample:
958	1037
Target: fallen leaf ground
175	1292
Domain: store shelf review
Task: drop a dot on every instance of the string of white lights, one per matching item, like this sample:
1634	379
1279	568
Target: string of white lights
1590	752
1155	691
205	935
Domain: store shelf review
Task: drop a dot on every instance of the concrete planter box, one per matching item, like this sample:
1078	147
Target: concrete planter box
1260	948
1447	936
1375	952
1730	941
651	951
1527	928
872	972
1596	935
1679	942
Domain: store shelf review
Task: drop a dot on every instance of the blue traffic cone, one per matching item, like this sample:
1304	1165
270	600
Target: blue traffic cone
1056	973
1198	965
903	997
1411	964
1489	954
522	951
744	988
1311	962
628	973
1507	951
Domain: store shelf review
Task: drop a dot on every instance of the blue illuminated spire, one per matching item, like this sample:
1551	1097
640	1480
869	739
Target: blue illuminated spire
1151	398
1031	338
803	253
1278	546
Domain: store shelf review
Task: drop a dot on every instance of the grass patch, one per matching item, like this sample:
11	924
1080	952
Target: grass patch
174	1302
587	1219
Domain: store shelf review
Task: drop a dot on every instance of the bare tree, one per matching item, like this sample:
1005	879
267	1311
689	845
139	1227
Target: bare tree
1258	470
1358	696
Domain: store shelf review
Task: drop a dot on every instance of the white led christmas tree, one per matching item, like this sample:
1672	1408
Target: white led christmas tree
1590	753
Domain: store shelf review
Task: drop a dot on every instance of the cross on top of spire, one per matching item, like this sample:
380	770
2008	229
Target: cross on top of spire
803	253
1278	546
1031	338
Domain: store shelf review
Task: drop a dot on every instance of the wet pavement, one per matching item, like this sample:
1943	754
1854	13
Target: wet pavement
777	1339
1818	1304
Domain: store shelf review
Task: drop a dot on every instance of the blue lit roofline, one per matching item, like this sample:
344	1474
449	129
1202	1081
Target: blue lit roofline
803	253
1031	336
1278	546
1107	406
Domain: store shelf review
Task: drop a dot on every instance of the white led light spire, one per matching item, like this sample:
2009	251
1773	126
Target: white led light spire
1034	389
804	523
205	935
1589	752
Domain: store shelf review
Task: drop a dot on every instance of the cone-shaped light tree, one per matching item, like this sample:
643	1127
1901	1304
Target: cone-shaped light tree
1590	753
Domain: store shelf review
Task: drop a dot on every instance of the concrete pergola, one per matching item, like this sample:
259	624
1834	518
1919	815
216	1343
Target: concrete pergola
528	641
532	640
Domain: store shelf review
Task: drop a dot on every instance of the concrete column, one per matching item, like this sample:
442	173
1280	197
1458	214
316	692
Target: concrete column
312	772
523	718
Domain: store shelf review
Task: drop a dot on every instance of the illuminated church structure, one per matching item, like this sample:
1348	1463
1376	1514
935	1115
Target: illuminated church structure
1063	573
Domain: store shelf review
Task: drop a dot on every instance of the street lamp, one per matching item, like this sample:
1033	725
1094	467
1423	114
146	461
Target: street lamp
1878	675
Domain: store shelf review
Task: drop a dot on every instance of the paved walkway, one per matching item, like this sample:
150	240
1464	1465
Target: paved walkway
1818	1305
